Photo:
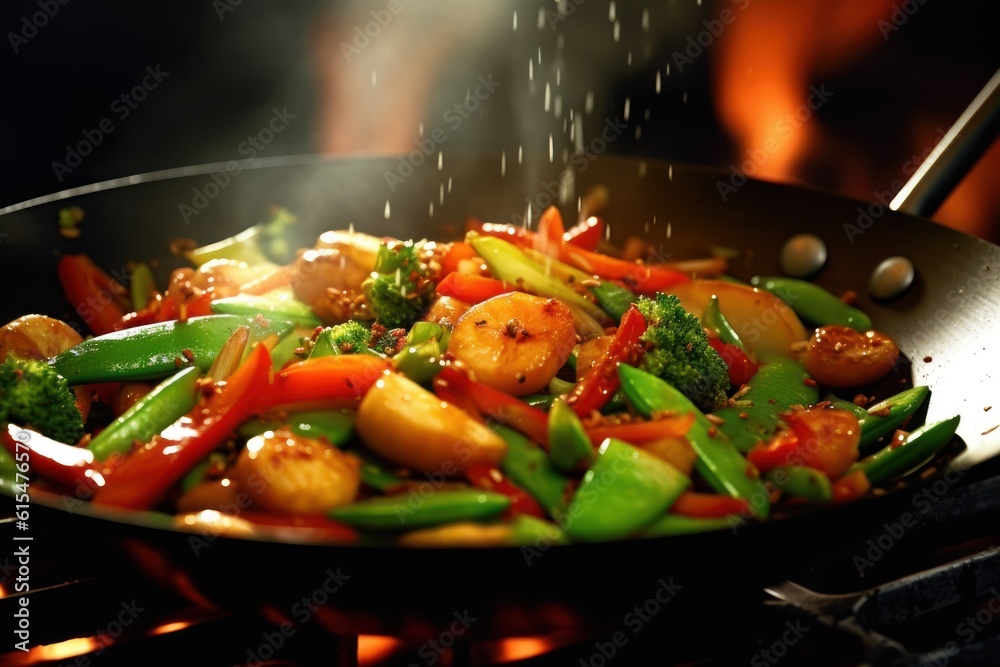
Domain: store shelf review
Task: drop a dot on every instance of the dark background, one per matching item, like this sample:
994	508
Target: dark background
229	69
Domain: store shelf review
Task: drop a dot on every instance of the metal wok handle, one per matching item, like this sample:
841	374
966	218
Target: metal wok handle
956	153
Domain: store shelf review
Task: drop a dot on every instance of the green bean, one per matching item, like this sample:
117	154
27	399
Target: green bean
814	303
920	446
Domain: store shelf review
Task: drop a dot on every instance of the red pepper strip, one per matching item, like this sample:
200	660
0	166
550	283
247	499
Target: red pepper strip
782	448
636	433
338	378
162	309
594	389
147	473
447	393
586	234
458	251
549	237
709	505
91	291
640	278
851	487
501	406
741	369
105	391
318	525
491	479
472	289
54	460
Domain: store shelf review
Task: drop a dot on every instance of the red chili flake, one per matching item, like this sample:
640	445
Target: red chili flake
177	362
771	401
188	354
809	382
849	297
928	359
860	400
744	415
712	431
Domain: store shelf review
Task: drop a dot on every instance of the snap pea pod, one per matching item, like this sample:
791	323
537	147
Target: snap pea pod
156	350
540	401
874	424
670	525
279	305
398	512
624	491
613	299
715	321
719	462
919	446
420	362
774	388
569	446
528	530
166	403
813	302
284	351
337	426
530	468
801	482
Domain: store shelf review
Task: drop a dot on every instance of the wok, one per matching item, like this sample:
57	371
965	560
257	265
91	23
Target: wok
944	323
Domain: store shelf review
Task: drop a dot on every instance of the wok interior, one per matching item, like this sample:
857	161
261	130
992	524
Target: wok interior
945	316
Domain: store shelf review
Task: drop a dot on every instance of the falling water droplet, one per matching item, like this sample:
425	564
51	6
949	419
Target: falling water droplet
684	97
659	82
430	210
628	58
670	172
579	204
420	130
539	55
617	31
548	97
531	69
588	103
643	169
441	194
638	132
699	3
670	230
541	18
374	78
350	228
449	185
520	154
645	19
387	211
645	227
503	164
612	10
527	215
515	20
440	160
668	69
558	76
628	107
550	148
557	109
607	231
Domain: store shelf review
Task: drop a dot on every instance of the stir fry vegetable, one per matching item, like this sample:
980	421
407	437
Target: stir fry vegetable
496	389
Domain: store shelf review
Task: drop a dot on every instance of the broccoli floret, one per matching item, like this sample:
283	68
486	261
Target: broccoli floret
32	392
351	337
680	353
399	289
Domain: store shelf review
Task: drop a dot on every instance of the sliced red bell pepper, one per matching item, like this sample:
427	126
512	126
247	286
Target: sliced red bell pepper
499	405
56	461
824	439
467	403
340	378
640	278
165	308
638	432
709	505
490	478
595	388
472	289
458	251
740	368
93	293
585	234
147	473
549	237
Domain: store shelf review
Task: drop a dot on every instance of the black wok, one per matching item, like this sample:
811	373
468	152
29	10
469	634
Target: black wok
944	324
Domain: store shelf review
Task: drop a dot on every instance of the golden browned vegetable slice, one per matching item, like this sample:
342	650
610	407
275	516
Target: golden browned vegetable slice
514	342
839	356
404	423
765	323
